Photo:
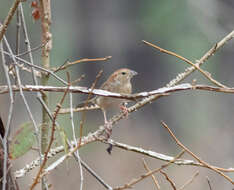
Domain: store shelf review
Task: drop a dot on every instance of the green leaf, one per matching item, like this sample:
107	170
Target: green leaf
23	140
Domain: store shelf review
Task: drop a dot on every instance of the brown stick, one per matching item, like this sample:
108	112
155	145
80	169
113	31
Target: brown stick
195	156
8	18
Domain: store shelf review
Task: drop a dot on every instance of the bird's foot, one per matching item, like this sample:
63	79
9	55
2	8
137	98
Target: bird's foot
124	110
108	129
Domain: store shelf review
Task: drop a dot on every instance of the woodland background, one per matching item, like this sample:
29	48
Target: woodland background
203	121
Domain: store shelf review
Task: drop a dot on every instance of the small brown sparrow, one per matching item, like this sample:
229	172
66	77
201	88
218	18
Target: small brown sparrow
119	82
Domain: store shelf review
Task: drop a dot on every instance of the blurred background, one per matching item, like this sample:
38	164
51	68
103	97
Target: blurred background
203	121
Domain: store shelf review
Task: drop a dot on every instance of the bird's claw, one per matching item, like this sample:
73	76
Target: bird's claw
108	129
124	110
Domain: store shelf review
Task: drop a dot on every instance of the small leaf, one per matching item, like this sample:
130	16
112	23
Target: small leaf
23	140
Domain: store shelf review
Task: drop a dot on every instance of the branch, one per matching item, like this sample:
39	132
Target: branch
169	180
134	181
153	177
195	156
190	180
93	136
203	59
58	107
205	73
78	89
68	64
8	18
162	157
53	152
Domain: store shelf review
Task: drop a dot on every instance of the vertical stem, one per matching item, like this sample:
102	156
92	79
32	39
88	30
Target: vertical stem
46	36
45	13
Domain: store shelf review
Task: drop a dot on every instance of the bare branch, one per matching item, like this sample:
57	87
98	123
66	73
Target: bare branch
58	107
168	179
195	156
153	177
190	180
68	64
134	181
205	73
208	181
203	59
77	89
8	18
160	156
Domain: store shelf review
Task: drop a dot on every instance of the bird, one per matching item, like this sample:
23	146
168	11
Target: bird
118	82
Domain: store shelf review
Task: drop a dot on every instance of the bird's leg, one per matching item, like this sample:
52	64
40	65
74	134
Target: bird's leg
124	109
107	125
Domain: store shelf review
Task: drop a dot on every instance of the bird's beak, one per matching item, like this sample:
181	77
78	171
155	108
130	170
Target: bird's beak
133	73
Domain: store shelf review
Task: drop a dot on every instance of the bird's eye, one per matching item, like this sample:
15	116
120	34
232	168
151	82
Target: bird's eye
123	73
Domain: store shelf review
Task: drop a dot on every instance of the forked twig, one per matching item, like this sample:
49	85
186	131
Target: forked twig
3	27
134	181
68	64
153	177
205	73
189	181
193	155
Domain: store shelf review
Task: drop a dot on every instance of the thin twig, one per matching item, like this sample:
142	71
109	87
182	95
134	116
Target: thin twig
195	156
9	119
134	181
189	181
203	59
94	174
21	91
78	80
31	50
67	110
8	18
168	179
77	155
153	177
50	141
37	67
205	73
86	103
18	27
68	64
208	181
